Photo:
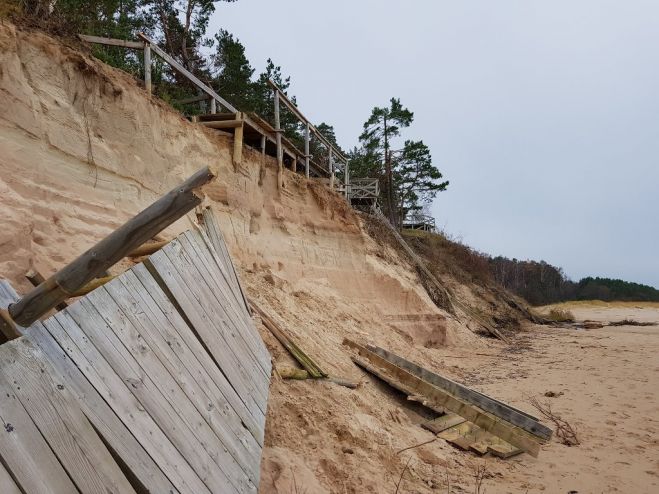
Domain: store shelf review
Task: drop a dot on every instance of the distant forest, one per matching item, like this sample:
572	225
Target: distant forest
541	283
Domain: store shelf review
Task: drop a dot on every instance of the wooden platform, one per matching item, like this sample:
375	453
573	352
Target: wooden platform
157	381
255	128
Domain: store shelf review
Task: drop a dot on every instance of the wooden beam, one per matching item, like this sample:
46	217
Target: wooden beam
223	124
516	417
413	385
111	249
182	70
133	45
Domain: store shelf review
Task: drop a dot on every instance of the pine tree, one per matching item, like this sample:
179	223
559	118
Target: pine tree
383	125
234	72
415	178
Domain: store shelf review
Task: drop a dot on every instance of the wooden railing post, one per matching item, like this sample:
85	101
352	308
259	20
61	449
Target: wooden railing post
147	67
331	169
346	180
306	150
280	154
238	141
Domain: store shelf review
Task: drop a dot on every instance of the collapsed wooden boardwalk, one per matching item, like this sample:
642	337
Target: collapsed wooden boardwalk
155	382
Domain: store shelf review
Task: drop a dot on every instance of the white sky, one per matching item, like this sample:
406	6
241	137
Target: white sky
544	115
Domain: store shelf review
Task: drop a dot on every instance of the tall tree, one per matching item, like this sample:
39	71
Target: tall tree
383	125
233	71
416	179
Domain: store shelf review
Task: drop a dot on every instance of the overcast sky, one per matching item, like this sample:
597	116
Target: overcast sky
544	115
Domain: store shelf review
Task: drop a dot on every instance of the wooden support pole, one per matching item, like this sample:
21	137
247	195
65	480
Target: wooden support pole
294	164
280	153
213	106
346	180
116	246
331	169
147	67
238	142
263	141
306	150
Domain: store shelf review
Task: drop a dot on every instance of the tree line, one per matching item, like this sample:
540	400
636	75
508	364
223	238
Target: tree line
541	283
408	178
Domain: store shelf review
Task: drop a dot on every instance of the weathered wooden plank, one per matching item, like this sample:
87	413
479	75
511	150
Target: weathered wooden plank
135	45
166	345
99	413
24	451
113	387
442	423
7	483
415	385
502	410
195	248
215	375
194	305
142	466
60	421
143	226
130	349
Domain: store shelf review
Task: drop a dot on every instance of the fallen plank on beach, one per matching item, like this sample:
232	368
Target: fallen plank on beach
436	397
497	408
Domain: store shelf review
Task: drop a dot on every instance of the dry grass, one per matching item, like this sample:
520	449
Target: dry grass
559	315
631	322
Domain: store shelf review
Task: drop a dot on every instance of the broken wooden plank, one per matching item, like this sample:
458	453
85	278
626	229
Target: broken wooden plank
414	385
442	423
215	379
503	450
161	439
502	410
59	419
304	360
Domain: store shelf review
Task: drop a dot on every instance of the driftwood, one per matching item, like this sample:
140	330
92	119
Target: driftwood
108	251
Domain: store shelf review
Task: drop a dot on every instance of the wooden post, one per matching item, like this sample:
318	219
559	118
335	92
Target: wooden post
306	150
294	163
147	67
346	179
280	154
263	141
111	249
238	142
213	106
331	170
